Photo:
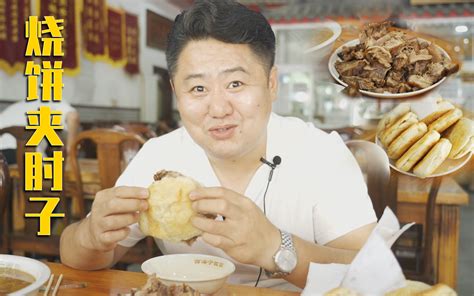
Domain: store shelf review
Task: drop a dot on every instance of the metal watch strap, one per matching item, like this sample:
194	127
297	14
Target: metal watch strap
286	243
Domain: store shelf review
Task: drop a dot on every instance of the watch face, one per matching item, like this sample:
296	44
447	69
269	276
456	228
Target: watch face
286	260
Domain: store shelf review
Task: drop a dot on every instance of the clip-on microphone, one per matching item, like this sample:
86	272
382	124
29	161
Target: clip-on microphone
276	162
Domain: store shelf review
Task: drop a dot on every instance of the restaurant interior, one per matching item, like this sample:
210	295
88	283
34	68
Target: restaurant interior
116	80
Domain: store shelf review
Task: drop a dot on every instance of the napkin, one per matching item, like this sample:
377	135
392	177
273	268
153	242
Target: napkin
374	271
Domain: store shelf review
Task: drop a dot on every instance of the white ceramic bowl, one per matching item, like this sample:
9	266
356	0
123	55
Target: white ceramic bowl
204	273
305	48
37	269
386	95
323	49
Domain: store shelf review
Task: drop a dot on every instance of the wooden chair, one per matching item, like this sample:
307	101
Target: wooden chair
24	238
141	129
381	184
109	158
130	149
5	197
425	271
21	136
348	133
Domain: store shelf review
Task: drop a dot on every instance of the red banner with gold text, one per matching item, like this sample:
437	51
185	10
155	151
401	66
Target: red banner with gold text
116	36
94	29
69	11
131	38
13	14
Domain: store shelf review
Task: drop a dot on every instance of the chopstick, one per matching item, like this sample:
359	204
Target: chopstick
46	291
57	285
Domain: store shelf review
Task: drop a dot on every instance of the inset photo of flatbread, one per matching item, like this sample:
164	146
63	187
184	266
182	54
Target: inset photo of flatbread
397	128
411	130
406	139
433	159
462	138
417	151
444	122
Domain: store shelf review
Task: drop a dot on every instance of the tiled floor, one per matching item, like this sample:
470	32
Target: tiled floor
466	250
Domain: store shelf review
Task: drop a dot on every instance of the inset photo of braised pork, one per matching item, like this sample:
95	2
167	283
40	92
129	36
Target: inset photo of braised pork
391	61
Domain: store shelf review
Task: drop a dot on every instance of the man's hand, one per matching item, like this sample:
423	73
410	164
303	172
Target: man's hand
113	210
245	235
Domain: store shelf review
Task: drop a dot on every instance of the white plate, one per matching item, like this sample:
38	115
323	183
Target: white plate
449	166
386	95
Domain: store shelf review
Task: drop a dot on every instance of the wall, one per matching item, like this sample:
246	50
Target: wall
152	57
101	84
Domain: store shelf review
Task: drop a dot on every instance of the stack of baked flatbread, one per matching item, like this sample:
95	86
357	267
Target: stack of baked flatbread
421	145
412	288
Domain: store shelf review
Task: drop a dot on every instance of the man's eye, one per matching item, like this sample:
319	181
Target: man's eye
235	84
198	88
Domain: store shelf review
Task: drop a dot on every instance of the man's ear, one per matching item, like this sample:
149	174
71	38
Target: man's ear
172	85
273	83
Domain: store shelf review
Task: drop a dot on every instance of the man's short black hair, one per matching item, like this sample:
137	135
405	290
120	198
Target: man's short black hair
223	20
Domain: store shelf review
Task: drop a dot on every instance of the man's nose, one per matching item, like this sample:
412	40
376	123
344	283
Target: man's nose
219	104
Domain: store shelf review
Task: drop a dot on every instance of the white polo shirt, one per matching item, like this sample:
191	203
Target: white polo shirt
317	192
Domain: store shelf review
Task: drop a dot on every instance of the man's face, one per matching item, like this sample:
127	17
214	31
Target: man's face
224	97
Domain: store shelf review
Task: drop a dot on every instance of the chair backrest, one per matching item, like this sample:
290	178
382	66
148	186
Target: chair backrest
109	153
375	166
5	196
141	129
21	136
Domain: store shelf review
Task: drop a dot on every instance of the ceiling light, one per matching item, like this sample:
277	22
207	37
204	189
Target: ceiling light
461	29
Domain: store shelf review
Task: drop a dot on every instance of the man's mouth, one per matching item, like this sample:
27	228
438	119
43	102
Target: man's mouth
222	132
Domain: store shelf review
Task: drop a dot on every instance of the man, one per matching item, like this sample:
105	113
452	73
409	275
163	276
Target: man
220	57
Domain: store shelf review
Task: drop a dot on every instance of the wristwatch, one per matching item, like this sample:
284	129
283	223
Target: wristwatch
285	258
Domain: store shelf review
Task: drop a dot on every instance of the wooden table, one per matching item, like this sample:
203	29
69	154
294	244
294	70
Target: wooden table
89	171
412	198
113	282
